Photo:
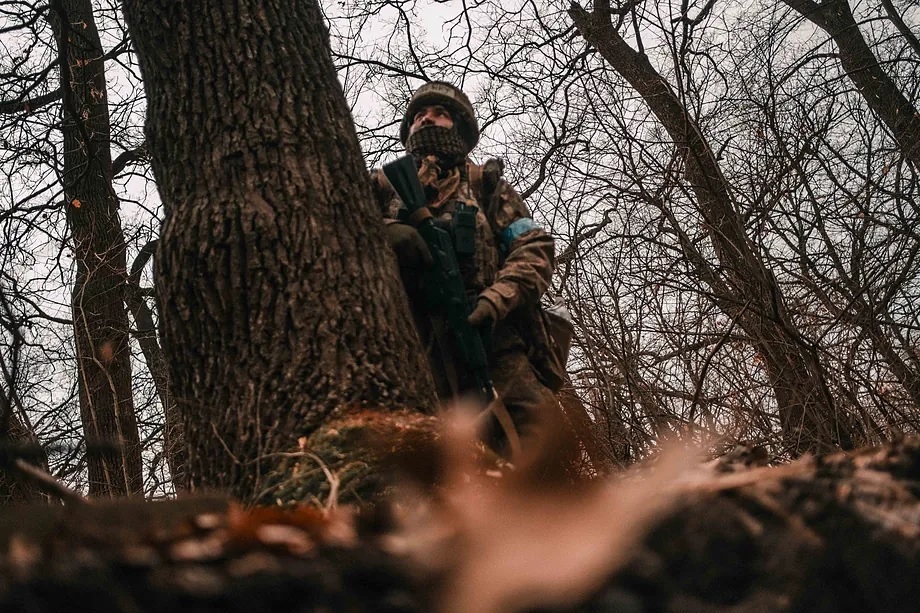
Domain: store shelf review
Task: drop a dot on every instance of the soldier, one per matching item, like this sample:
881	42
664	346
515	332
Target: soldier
505	274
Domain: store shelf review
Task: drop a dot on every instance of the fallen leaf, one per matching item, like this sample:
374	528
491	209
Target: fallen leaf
294	540
513	544
197	550
520	548
22	554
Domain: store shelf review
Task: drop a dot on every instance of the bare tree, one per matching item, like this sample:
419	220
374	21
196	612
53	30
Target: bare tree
880	91
100	319
742	285
17	438
64	235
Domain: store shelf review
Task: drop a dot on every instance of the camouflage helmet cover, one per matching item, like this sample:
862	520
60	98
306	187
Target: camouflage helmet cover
450	97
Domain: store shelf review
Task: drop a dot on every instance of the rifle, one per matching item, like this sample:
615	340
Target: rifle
446	293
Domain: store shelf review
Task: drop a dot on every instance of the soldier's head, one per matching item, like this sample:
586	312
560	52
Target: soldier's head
440	121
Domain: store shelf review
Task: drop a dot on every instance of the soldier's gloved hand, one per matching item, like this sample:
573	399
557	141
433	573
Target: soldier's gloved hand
409	246
485	314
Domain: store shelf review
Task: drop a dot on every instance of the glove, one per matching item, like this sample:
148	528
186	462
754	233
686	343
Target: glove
409	246
485	314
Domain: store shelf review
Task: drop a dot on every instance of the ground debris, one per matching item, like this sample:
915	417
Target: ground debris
834	533
265	559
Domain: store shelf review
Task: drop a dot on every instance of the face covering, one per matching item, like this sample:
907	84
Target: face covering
443	143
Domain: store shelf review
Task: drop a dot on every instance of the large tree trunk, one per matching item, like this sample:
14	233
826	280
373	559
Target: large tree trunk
862	67
281	307
100	320
742	286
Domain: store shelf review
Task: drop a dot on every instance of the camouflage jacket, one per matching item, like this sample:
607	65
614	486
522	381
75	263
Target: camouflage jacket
514	256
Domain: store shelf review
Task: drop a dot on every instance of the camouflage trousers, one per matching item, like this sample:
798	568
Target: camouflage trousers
532	406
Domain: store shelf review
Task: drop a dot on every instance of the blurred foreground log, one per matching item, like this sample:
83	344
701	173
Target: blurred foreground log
839	533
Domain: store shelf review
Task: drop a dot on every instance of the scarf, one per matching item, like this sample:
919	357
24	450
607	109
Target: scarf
440	186
441	155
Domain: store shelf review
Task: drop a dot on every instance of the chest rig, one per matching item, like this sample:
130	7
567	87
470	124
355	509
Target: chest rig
465	217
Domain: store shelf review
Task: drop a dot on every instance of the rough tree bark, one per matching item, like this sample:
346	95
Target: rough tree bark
100	320
879	90
742	286
281	307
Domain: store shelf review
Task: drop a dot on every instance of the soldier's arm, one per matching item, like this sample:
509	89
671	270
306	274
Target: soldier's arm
527	249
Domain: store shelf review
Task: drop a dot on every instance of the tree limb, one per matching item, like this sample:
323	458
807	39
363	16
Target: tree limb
12	107
128	157
902	27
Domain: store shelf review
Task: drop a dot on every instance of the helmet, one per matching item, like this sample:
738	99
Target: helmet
450	97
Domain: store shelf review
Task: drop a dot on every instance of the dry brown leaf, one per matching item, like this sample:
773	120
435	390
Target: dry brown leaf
243	524
293	540
106	351
519	548
339	529
509	546
208	521
22	554
198	550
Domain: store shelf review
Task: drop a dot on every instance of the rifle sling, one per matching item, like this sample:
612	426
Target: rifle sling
500	411
441	336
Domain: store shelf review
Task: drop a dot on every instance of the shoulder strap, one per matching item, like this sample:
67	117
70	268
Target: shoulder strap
481	186
474	175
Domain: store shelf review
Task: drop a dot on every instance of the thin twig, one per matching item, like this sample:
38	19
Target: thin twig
46	482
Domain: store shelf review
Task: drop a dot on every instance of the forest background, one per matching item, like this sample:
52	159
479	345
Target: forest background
733	188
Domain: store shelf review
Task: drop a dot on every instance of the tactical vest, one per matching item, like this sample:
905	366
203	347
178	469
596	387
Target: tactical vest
464	216
547	333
